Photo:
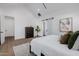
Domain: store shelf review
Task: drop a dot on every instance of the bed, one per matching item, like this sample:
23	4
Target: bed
50	46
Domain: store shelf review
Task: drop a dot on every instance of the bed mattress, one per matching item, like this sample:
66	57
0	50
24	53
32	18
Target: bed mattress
50	46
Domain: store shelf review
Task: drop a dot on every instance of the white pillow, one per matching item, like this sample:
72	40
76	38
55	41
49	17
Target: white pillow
76	44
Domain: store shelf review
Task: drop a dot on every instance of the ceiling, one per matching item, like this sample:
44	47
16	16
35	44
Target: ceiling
35	8
51	7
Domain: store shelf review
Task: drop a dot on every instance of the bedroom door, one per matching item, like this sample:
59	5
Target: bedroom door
2	29
9	28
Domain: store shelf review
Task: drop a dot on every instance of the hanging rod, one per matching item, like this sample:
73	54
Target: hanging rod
48	19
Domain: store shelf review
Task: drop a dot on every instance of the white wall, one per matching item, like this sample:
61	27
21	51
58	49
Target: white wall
2	29
22	18
74	13
60	14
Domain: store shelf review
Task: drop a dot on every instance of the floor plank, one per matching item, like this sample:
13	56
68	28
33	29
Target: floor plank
7	48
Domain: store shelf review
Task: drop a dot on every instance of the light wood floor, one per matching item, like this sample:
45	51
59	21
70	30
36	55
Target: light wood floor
7	48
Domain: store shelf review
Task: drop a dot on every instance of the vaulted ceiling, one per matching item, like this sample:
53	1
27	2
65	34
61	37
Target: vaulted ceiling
43	9
51	7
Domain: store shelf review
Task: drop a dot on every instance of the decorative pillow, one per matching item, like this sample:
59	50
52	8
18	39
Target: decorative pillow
72	39
64	39
76	44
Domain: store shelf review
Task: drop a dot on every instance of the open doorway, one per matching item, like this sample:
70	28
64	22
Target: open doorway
47	27
9	28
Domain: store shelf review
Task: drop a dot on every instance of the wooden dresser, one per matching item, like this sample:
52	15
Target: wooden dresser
29	32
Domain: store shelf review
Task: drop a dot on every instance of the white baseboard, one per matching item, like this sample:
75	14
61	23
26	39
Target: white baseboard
19	37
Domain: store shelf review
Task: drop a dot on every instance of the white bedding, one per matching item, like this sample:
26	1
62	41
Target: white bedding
50	46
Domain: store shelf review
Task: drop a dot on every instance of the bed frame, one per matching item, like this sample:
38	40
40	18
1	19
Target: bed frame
32	52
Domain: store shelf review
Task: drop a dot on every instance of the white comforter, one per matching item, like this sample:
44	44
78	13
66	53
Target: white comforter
50	46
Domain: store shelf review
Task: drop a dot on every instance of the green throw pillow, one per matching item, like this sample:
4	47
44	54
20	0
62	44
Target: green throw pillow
72	39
